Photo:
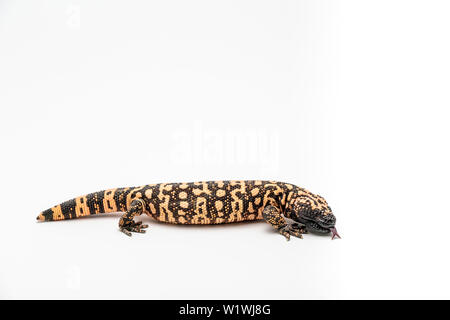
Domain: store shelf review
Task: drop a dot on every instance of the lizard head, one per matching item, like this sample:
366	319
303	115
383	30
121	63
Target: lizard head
315	213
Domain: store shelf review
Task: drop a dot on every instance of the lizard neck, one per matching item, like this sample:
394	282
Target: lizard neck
292	196
287	198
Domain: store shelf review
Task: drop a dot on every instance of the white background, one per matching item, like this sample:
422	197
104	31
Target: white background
346	98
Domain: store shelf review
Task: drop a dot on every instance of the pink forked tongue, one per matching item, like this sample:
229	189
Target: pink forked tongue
335	233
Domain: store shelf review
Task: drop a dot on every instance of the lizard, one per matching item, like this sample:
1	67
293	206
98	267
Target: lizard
291	210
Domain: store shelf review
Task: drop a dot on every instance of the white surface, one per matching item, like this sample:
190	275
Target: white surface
346	98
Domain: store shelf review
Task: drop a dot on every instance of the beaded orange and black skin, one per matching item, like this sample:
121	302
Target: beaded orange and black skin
289	209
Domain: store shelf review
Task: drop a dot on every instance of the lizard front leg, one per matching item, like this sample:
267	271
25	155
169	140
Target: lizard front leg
126	222
273	216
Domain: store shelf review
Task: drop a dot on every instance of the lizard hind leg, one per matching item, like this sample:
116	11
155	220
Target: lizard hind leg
273	216
126	222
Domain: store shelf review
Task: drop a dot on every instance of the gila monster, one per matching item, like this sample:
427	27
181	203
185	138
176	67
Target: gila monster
291	210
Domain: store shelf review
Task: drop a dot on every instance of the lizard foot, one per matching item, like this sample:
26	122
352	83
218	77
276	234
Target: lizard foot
126	223
134	227
295	229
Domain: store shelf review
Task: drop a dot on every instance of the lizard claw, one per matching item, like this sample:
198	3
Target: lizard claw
286	235
137	229
139	225
128	233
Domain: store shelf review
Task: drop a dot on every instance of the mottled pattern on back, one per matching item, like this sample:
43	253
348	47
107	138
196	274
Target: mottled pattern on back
207	202
212	202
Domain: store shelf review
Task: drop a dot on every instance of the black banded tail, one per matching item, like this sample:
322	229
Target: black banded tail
106	201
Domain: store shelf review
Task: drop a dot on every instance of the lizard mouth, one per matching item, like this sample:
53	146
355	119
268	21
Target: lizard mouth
316	227
319	227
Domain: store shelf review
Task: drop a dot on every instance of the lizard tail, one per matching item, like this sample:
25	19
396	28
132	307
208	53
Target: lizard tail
106	201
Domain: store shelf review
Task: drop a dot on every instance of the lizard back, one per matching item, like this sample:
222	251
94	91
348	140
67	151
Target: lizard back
213	202
205	202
